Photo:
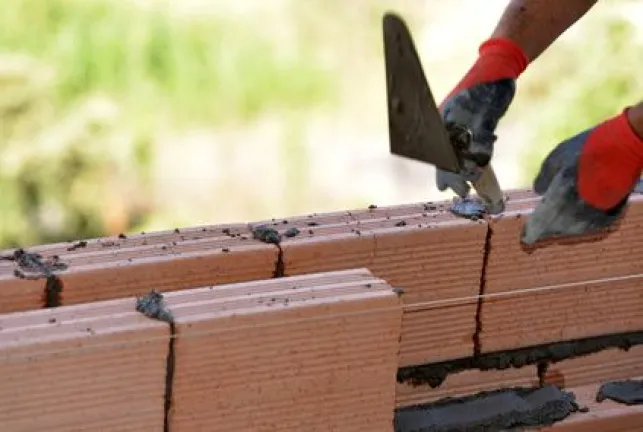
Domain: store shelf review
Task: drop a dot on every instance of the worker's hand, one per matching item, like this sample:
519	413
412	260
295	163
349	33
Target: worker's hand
478	102
479	108
586	181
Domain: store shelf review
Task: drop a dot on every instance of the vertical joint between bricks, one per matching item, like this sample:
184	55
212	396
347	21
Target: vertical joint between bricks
169	378
279	264
481	291
52	291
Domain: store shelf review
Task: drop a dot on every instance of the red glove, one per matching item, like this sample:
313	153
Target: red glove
586	181
478	102
499	58
610	163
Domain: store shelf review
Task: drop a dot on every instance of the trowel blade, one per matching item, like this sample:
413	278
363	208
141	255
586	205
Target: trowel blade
416	129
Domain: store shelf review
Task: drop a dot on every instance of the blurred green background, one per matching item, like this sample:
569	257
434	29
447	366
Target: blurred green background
120	116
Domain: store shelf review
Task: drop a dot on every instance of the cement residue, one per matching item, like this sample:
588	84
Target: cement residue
435	373
266	234
469	208
270	235
152	305
292	232
628	392
489	411
33	266
78	245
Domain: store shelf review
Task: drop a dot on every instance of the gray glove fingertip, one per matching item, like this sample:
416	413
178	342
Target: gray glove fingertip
554	163
549	213
445	179
541	183
440	180
559	158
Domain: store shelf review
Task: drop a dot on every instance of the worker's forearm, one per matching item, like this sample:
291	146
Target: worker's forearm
535	24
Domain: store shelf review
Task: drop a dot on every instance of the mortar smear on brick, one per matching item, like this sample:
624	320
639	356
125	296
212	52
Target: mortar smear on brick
606	416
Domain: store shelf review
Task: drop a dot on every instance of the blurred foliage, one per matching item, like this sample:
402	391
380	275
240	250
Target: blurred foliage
84	84
581	84
197	67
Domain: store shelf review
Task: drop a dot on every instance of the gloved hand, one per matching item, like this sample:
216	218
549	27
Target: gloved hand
586	181
478	102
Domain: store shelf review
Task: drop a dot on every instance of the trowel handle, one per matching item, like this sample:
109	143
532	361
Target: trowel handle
488	189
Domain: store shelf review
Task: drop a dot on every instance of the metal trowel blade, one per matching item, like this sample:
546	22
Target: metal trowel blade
416	129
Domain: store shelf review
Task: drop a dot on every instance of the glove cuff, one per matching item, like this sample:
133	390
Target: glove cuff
610	162
499	59
510	59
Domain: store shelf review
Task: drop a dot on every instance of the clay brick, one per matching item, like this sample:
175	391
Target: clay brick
435	262
414	258
608	365
306	222
515	196
465	383
433	332
562	312
315	352
103	274
98	366
328	252
208	266
511	267
560	291
117	261
19	294
428	210
606	416
164	237
420	248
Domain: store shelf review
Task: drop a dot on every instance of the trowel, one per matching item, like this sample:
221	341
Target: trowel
416	128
